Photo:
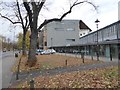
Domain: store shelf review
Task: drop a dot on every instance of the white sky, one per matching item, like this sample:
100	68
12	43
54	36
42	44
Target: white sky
107	14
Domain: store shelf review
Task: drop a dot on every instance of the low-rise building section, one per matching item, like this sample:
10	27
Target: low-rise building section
108	41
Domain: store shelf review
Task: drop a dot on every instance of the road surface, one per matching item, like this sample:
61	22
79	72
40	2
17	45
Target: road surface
6	62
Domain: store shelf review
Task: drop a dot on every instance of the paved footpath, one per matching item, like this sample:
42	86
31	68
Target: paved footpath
7	61
29	75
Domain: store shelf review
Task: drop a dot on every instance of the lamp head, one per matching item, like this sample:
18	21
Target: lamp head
97	21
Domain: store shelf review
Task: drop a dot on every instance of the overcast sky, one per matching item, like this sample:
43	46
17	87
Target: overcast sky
107	14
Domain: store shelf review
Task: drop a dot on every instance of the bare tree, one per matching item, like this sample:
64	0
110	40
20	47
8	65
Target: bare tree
25	27
20	20
33	9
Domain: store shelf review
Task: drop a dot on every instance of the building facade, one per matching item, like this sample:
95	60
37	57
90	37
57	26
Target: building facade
64	33
108	40
105	40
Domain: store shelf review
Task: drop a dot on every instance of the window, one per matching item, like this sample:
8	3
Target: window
73	40
70	29
45	43
80	34
59	29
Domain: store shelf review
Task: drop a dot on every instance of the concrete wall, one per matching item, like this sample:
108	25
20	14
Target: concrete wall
62	33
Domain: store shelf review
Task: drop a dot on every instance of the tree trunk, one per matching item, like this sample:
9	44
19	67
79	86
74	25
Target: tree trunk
24	44
32	50
33	38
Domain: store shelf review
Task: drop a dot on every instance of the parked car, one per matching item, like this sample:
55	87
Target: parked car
49	51
38	51
4	50
52	51
76	51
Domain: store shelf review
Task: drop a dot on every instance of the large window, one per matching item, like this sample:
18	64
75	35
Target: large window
114	50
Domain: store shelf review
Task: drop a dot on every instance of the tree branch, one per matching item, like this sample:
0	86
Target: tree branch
20	14
40	5
26	24
65	14
9	19
27	7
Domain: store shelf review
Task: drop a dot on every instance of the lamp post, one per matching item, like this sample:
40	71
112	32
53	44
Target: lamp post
97	47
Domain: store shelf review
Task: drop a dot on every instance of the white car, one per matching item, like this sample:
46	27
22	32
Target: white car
38	51
4	50
52	51
48	51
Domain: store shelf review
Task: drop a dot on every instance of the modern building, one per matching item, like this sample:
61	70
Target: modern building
64	33
107	39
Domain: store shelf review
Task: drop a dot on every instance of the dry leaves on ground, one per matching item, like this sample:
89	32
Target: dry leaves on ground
97	78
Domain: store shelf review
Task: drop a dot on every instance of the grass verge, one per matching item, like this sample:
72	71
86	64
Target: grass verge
52	61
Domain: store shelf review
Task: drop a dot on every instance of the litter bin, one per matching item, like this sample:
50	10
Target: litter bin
16	54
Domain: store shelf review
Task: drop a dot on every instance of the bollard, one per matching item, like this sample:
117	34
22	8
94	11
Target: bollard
17	76
92	57
110	56
16	54
83	59
66	62
97	56
31	84
82	56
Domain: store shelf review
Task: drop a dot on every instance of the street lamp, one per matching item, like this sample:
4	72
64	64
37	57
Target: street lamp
97	47
97	21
